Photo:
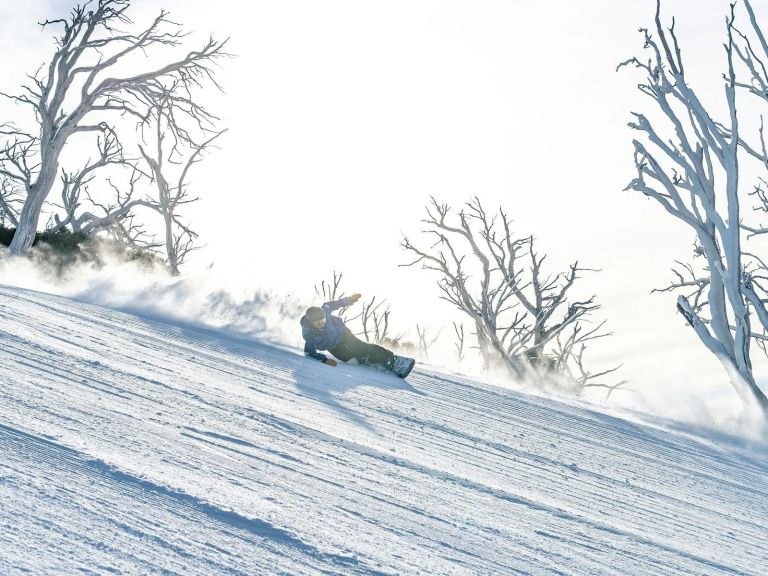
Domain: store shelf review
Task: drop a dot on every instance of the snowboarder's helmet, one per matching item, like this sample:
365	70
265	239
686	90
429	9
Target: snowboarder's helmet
315	314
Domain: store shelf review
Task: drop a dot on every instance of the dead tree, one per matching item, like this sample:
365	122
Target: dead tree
81	87
426	341
374	319
10	198
689	163
330	291
497	279
752	51
459	345
175	148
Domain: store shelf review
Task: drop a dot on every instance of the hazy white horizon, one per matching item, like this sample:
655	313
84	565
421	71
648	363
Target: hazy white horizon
345	117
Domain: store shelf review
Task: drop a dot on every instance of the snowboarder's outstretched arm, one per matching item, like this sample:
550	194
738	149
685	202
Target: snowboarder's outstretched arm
343	303
311	351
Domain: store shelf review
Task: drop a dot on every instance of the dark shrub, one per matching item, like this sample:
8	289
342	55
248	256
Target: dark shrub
63	249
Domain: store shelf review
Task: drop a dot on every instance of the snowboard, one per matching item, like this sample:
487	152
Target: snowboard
403	366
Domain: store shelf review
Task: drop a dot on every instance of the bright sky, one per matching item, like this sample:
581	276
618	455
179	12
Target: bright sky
344	118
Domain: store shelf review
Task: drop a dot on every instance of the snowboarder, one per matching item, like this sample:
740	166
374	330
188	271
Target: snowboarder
323	331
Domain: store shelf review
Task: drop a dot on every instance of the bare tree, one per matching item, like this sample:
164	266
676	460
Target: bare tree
754	56
10	198
330	291
518	310
688	162
459	345
175	146
374	319
82	83
426	341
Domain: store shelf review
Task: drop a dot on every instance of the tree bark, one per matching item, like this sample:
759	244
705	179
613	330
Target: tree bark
33	206
170	248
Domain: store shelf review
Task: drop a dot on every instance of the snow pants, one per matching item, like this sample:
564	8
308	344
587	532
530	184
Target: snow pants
365	353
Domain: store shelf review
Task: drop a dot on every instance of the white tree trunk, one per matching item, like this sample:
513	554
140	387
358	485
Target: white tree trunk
33	206
170	247
741	380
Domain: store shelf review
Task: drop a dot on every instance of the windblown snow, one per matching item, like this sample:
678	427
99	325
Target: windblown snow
135	446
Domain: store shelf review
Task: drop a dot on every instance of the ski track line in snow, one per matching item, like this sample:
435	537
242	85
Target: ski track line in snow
196	515
258	461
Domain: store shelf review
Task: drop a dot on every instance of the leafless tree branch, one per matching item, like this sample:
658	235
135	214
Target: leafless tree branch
81	84
689	162
498	280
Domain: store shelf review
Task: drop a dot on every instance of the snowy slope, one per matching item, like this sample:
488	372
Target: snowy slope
128	445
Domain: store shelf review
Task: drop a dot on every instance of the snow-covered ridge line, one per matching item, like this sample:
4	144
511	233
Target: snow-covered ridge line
142	446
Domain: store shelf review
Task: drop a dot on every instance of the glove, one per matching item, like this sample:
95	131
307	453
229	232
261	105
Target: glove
330	362
355	298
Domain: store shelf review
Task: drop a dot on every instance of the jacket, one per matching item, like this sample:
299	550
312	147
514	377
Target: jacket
327	337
